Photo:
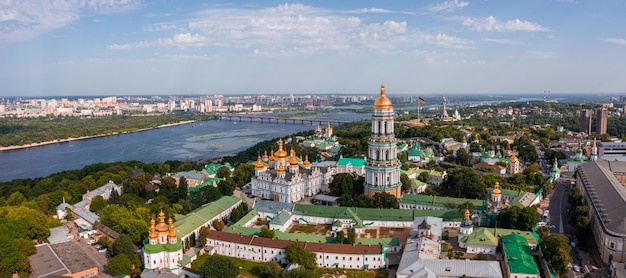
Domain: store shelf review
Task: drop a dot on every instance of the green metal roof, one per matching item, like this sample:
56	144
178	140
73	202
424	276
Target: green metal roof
481	237
282	218
158	248
489	234
213	167
440	201
200	216
518	254
430	172
356	162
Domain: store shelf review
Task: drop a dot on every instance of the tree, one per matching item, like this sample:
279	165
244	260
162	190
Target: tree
182	188
114	198
226	186
123	245
518	218
556	250
16	199
351	236
385	200
269	269
218	266
296	254
97	203
340	236
243	174
218	224
424	177
168	187
119	265
300	272
223	172
406	182
341	184
203	234
463	158
464	182
268	233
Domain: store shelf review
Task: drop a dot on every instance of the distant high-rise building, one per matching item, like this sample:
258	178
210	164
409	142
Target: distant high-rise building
585	121
601	121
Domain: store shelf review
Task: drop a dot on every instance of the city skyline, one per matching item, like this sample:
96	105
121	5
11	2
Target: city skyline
128	47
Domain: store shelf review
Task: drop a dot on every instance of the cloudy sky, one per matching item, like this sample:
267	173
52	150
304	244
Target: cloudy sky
129	47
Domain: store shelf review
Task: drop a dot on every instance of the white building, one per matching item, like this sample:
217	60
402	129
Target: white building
326	254
163	248
285	179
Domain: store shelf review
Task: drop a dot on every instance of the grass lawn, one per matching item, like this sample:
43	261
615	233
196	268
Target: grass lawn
307	229
249	269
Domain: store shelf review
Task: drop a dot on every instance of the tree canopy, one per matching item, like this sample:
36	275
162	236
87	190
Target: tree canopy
296	254
218	266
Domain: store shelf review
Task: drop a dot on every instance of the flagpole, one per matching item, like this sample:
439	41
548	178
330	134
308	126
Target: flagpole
418	110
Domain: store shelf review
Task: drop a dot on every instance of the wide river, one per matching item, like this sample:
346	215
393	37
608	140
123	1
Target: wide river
187	142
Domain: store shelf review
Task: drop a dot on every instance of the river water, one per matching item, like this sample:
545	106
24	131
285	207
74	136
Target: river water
187	142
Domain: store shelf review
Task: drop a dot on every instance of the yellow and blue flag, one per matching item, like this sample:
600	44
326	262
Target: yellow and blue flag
421	100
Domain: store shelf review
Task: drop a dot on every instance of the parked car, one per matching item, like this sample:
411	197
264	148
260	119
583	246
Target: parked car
101	249
576	268
91	241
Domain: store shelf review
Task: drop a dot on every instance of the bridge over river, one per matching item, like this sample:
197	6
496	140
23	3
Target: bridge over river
282	120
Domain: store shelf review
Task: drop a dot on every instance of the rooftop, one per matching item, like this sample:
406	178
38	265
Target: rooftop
518	254
200	216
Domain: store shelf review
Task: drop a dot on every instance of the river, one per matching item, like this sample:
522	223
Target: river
188	142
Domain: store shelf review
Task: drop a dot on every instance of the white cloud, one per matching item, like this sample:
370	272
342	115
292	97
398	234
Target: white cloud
22	20
449	6
500	41
491	24
370	10
292	29
616	40
540	55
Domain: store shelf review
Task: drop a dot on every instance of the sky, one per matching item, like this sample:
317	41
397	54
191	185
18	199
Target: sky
166	47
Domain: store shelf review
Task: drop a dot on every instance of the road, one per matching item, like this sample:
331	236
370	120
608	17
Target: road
558	209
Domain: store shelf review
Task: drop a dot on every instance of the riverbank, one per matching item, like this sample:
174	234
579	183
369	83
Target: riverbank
7	148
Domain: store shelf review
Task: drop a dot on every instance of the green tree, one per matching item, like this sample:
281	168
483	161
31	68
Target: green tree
114	198
463	158
424	177
340	236
123	245
168	187
182	188
243	174
218	224
223	172
406	182
385	200
218	266
269	269
464	182
97	203
300	272
44	203
518	218
119	265
268	233
203	234
556	250
341	184
296	254
16	199
226	186
351	236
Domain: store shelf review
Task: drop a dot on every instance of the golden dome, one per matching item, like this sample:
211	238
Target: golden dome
271	159
467	213
513	158
172	232
280	170
496	191
153	235
162	227
306	161
280	153
293	161
382	101
265	157
259	164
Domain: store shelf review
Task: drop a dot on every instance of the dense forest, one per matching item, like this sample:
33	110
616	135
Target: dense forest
22	131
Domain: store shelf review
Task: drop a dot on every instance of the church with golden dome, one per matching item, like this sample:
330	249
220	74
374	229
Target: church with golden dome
162	249
382	169
286	177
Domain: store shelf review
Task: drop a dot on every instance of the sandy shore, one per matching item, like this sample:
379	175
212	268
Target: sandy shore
87	137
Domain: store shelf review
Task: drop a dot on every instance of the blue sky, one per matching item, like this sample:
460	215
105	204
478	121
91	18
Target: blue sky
130	47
